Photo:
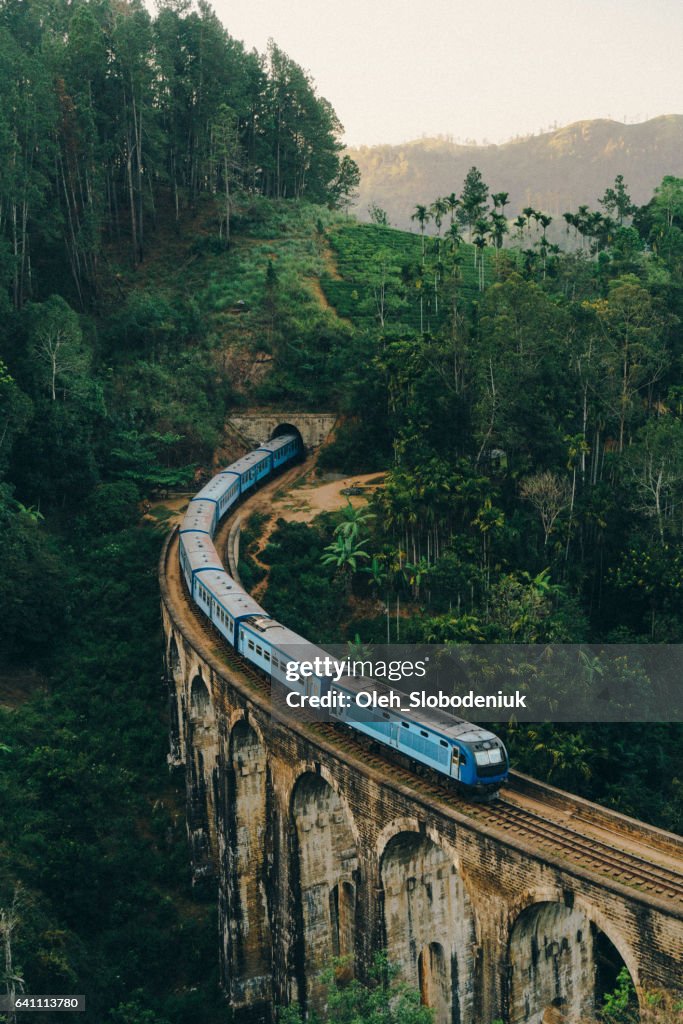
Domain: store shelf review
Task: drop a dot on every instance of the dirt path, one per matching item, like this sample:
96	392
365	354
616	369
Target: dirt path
309	498
317	289
296	496
304	501
330	262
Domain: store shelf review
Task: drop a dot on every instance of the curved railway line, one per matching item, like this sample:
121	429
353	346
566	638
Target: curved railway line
584	837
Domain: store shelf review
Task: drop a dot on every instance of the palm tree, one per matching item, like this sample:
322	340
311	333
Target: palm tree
520	224
379	579
544	220
479	246
497	229
453	204
422	216
354	521
417	573
453	237
500	199
582	223
438	209
344	553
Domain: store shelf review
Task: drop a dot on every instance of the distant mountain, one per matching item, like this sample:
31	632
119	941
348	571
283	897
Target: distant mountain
553	172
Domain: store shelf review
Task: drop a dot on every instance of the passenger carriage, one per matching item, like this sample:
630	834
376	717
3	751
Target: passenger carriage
197	555
200	517
252	468
222	490
226	603
270	645
282	449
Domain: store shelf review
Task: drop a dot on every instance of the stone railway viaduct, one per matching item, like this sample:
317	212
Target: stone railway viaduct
318	849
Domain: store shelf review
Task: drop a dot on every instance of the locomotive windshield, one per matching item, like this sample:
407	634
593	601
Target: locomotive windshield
493	756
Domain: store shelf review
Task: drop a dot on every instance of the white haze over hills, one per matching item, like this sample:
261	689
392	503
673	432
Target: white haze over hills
554	172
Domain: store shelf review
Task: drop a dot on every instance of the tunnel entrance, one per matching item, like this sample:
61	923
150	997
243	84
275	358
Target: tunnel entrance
288	428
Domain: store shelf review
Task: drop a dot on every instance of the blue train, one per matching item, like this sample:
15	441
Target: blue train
474	757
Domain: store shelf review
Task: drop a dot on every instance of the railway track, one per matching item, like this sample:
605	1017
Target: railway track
503	816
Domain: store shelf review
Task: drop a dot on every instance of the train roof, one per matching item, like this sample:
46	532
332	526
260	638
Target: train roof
245	463
217	486
200	515
296	647
230	595
200	551
276	443
437	719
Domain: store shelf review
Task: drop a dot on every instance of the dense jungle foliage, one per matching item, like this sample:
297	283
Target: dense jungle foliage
173	246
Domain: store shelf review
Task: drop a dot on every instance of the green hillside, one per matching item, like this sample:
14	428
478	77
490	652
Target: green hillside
368	255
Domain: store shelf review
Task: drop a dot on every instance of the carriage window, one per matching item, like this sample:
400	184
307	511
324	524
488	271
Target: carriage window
405	725
251	645
258	650
423	733
266	655
443	743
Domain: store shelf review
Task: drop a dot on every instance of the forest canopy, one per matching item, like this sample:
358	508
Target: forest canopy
105	108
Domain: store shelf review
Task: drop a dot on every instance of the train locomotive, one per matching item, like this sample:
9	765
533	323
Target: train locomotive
470	755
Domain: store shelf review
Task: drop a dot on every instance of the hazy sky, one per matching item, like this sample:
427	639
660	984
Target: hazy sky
398	69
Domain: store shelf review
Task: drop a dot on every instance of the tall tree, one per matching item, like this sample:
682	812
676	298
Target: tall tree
473	199
422	215
56	344
616	200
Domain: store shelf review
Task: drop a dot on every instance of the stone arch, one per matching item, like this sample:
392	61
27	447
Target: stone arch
325	881
288	428
245	924
429	924
393	829
605	928
173	658
201	779
553	953
200	701
174	682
